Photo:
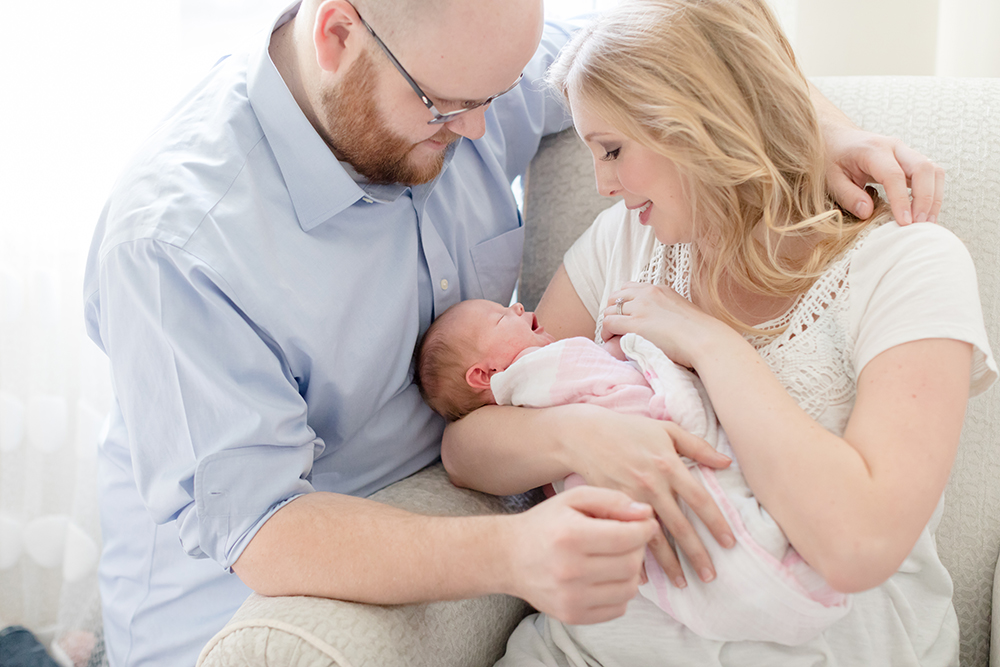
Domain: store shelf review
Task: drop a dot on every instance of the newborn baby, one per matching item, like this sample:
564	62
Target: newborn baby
479	353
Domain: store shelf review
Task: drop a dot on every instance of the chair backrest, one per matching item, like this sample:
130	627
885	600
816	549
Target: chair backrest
956	122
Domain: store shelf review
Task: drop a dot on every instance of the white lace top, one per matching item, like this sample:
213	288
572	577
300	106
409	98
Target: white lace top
897	284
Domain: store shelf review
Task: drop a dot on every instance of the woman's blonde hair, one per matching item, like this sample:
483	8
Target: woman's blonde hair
713	85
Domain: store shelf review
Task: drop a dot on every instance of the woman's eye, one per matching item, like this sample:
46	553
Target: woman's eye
611	155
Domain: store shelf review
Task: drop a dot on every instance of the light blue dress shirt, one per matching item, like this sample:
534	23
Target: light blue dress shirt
260	305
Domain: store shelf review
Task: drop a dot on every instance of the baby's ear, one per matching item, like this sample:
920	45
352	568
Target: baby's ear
478	377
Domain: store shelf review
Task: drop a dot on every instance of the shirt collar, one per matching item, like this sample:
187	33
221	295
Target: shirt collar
319	185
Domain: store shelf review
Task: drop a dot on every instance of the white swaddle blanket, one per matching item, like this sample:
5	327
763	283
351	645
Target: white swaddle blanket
763	590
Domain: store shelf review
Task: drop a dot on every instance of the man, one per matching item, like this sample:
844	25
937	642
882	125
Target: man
259	279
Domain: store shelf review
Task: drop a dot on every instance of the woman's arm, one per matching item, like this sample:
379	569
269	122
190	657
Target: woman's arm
853	506
561	310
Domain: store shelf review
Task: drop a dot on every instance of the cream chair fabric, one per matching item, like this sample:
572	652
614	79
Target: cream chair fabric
995	632
954	121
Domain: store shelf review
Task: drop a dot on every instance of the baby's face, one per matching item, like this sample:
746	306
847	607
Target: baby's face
500	333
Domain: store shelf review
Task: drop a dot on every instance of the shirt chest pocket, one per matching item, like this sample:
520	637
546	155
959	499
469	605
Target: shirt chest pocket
497	262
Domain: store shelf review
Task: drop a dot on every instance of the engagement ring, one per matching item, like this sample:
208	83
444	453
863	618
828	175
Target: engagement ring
618	304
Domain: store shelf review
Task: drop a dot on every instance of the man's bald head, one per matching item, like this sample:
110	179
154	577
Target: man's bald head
395	19
399	19
406	25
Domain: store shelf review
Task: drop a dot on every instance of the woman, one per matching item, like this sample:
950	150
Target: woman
839	354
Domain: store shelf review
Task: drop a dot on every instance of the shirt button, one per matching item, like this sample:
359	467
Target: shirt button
444	283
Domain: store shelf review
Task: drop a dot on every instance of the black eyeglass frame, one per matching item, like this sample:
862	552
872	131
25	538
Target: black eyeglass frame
439	118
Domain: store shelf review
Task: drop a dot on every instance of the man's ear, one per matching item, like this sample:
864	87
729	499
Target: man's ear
337	35
479	376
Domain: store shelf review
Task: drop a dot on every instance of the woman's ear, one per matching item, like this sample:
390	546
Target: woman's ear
337	35
479	376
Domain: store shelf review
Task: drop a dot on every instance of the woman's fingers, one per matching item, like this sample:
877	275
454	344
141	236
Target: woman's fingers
696	449
694	494
647	467
677	481
664	554
686	539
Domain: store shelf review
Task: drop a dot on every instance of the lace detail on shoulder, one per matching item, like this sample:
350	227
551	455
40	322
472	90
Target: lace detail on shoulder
812	356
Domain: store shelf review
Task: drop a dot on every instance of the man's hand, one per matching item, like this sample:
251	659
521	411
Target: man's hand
858	157
578	556
861	157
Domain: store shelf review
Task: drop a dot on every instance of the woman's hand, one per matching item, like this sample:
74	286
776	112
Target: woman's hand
663	317
642	457
505	450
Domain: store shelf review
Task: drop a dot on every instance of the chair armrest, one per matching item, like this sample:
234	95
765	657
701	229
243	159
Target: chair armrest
995	630
318	632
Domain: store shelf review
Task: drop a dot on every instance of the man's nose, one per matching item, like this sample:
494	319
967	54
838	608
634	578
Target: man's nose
471	124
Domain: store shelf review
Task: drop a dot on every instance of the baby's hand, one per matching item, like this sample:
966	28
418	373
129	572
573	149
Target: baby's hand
614	347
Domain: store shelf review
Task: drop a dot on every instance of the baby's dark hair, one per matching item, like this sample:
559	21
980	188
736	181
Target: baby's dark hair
441	367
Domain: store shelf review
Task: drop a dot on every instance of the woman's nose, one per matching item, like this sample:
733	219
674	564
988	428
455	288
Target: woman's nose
607	181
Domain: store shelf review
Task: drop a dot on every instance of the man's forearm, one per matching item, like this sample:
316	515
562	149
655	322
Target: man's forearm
576	556
347	548
828	114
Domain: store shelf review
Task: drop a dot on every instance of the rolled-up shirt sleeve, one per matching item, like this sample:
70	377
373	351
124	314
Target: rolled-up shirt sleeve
218	431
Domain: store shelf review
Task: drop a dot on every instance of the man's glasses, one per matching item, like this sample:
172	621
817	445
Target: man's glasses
439	117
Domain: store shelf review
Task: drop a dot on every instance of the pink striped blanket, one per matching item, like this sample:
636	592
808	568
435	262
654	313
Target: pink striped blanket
763	590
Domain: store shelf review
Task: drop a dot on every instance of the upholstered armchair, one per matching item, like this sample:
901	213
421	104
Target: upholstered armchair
954	121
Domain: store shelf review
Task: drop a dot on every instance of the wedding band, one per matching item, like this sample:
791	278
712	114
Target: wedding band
618	305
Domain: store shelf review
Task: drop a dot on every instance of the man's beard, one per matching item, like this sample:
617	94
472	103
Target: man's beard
357	133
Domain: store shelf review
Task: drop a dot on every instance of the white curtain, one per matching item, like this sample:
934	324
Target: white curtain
82	83
878	37
908	37
968	42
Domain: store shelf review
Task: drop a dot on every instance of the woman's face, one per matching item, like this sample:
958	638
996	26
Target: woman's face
648	181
